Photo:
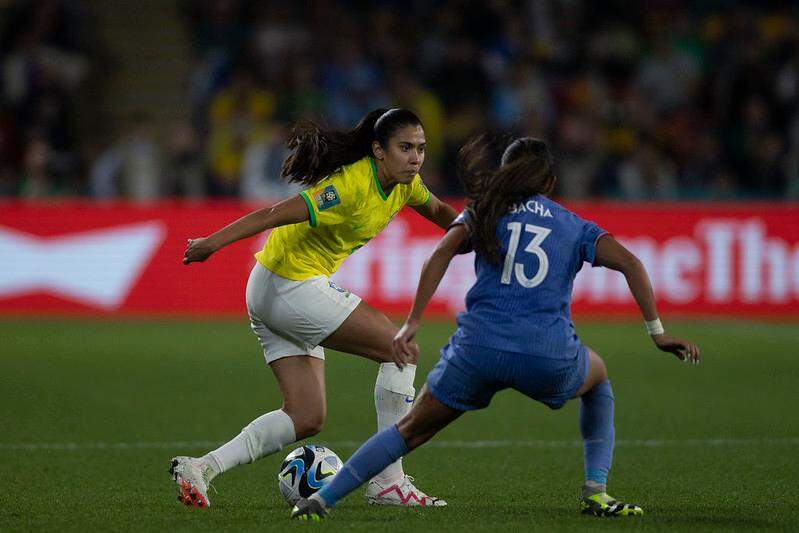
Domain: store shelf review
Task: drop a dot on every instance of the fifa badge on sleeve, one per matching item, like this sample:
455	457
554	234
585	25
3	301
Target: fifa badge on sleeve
327	198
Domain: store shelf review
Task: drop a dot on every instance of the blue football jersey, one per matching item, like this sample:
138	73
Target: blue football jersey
523	304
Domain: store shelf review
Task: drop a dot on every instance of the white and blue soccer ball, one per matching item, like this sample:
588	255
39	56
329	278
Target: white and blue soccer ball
306	470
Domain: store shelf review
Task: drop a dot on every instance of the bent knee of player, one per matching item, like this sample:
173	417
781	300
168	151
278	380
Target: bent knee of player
600	371
597	373
308	426
307	422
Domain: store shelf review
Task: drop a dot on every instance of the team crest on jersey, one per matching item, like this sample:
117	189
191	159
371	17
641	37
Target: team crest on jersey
327	198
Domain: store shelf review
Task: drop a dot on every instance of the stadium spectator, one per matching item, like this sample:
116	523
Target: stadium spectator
647	175
411	94
667	78
130	168
712	89
582	155
260	177
184	169
238	118
44	60
38	179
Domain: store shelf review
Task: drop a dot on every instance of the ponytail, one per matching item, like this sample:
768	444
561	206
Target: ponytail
527	169
316	152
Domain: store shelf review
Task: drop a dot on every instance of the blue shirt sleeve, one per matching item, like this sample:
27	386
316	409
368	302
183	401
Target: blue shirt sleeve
464	219
590	235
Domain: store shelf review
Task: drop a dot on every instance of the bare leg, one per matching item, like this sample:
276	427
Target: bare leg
369	333
597	373
302	383
427	417
366	332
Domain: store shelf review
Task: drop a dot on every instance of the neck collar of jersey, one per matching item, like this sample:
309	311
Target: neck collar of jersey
377	181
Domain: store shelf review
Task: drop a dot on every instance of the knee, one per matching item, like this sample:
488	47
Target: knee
597	371
600	370
597	374
307	423
312	427
309	426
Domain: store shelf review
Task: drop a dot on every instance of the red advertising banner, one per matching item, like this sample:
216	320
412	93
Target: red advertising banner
125	259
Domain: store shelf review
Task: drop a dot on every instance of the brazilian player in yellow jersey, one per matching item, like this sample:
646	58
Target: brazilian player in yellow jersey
356	181
346	210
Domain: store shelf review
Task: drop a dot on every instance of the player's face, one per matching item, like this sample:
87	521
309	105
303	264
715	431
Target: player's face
404	155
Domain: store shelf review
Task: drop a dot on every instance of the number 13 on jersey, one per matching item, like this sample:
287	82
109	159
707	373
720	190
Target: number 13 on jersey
539	234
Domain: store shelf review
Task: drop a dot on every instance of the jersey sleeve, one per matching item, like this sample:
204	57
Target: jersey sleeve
326	205
419	193
464	219
588	239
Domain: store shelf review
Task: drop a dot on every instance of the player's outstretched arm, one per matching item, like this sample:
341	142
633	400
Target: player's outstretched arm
289	211
433	270
439	213
611	254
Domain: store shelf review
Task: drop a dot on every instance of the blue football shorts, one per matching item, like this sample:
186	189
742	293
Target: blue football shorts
467	377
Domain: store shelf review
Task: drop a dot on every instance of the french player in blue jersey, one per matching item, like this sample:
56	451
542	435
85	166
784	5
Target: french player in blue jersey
516	331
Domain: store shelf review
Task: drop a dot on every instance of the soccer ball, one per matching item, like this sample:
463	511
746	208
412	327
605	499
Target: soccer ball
305	471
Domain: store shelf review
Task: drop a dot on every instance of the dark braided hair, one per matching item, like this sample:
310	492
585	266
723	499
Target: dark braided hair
526	169
317	152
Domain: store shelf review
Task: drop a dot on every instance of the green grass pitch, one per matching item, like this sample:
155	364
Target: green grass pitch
91	412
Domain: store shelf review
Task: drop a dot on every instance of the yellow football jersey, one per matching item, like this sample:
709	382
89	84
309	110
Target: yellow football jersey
346	209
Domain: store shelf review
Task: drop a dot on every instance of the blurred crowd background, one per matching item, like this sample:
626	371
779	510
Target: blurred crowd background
663	99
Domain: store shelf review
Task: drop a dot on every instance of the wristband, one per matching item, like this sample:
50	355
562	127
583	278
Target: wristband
654	327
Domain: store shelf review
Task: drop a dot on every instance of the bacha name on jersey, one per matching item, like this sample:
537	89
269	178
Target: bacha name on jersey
532	206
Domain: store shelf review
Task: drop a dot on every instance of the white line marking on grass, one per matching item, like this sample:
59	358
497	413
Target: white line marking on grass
69	446
630	443
350	444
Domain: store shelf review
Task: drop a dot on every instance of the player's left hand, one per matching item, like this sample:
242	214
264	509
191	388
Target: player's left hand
403	348
684	350
197	250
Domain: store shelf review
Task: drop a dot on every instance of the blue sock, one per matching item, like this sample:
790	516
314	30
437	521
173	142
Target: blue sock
372	457
599	436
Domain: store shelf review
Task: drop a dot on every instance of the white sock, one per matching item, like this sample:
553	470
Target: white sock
263	436
394	394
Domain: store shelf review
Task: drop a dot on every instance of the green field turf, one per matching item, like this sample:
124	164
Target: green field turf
91	412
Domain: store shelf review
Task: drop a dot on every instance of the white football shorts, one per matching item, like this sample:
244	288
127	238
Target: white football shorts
293	317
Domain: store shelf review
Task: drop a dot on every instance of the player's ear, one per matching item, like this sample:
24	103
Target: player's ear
378	151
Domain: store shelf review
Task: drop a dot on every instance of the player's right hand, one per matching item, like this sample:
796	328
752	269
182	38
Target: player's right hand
403	348
197	250
684	350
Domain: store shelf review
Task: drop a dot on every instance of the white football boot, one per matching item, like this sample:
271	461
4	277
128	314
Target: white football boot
402	493
191	475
